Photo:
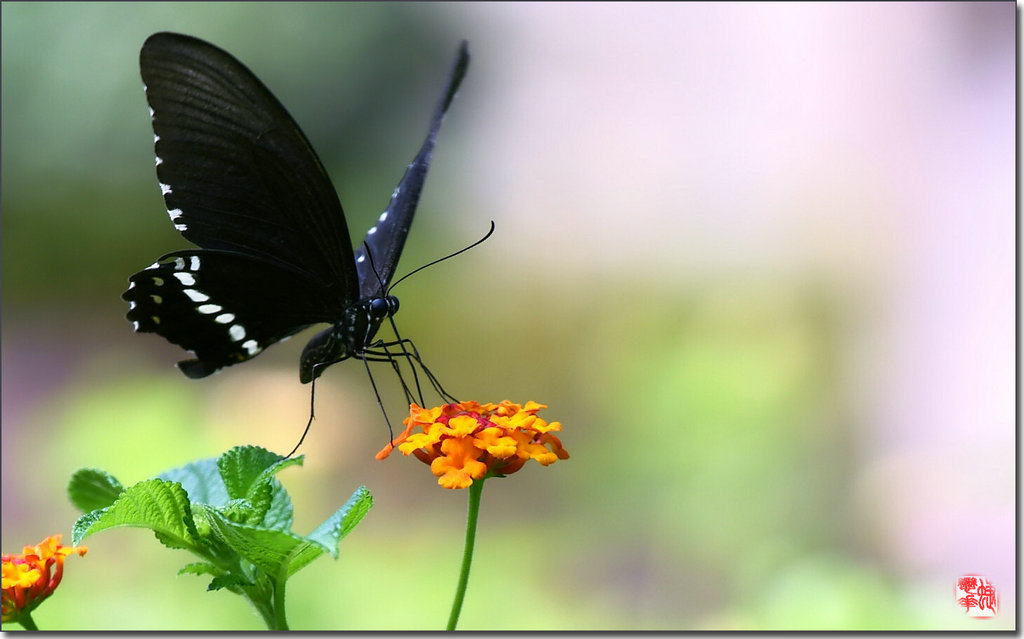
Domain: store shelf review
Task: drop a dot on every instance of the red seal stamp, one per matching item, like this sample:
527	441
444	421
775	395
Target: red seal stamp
977	596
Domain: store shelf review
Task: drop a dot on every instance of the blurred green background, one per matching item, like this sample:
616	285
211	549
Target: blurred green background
757	258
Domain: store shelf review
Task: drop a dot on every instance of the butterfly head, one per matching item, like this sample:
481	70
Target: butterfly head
382	307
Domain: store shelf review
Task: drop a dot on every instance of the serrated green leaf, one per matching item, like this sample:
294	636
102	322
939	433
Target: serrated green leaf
201	480
199	568
276	552
239	511
261	497
83	524
280	514
330	533
159	505
355	509
244	467
229	581
90	489
248	472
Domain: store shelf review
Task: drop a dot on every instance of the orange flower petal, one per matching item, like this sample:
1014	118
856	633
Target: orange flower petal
464	441
26	577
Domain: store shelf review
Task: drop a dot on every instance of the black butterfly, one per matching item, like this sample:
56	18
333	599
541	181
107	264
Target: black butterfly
241	181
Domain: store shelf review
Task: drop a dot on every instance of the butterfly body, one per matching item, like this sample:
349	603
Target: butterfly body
241	181
350	336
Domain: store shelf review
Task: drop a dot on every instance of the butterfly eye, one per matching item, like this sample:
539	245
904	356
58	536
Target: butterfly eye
379	308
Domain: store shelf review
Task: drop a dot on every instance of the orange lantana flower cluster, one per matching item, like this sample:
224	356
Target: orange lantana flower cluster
467	441
26	577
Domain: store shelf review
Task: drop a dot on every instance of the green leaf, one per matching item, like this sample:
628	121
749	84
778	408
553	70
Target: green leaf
240	466
84	523
276	552
221	579
230	581
330	533
91	489
159	505
261	497
201	480
248	472
279	515
244	468
200	568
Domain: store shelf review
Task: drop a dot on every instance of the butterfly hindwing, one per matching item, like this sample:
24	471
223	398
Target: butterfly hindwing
387	237
236	171
225	307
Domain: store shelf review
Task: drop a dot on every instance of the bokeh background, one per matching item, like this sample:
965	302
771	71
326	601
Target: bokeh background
757	258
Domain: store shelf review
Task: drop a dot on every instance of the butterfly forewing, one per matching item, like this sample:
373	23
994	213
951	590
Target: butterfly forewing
387	237
237	173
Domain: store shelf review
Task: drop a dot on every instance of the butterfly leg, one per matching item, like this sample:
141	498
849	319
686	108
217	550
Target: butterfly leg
412	358
391	358
391	432
312	402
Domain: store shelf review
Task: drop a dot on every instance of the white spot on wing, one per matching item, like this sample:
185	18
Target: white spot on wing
153	265
360	259
383	216
159	161
195	263
156	138
174	215
195	295
210	309
236	332
225	318
186	278
136	325
373	229
251	346
164	189
179	264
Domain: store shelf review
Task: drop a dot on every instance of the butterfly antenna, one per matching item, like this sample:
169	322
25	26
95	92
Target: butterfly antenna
441	259
373	267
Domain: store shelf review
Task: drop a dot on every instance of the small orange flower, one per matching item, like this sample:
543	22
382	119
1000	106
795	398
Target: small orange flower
26	577
468	441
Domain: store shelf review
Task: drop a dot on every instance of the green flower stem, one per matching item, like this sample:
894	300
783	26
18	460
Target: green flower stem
280	622
268	599
266	610
467	554
25	619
